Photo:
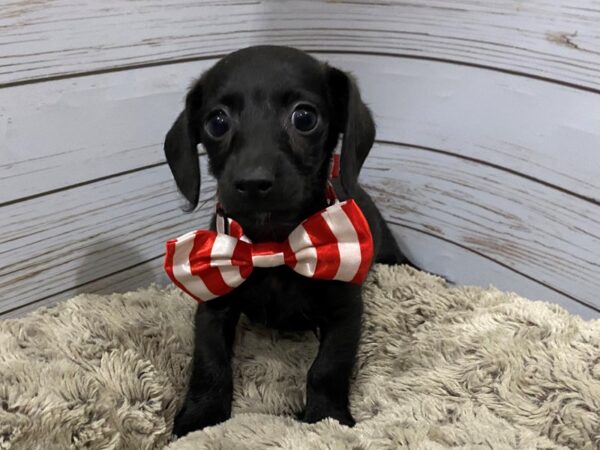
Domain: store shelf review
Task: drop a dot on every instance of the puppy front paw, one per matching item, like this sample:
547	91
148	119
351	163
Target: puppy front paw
197	414
316	413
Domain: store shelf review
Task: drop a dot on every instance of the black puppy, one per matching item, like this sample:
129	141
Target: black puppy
269	118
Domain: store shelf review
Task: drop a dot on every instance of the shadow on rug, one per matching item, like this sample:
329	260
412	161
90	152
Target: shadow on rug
438	368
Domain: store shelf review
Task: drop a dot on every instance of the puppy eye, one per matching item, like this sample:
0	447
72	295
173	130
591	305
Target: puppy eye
304	118
217	123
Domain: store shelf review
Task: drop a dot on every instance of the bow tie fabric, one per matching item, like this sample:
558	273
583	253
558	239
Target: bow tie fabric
332	244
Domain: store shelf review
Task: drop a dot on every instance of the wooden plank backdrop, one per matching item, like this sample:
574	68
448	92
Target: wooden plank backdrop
551	40
487	163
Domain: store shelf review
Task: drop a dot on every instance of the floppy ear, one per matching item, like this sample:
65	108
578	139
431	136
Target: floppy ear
356	123
182	154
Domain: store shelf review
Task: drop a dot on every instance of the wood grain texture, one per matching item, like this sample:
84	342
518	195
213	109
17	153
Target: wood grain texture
487	167
462	266
438	255
84	237
124	280
549	40
113	123
52	244
541	132
535	231
95	126
140	275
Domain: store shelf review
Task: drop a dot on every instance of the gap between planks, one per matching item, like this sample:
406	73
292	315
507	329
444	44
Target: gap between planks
500	263
591	200
47	299
332	51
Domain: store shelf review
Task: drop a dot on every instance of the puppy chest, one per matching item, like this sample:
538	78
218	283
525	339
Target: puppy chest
279	299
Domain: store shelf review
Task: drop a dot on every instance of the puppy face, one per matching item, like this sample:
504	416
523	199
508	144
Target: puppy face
269	118
264	119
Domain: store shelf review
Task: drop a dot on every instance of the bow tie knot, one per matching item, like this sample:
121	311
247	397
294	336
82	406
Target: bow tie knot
271	254
263	254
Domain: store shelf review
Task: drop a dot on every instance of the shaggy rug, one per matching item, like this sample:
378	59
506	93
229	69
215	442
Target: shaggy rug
439	367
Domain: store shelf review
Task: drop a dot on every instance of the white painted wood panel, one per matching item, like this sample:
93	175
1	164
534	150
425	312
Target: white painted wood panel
53	243
545	39
417	87
536	231
138	276
488	114
95	126
539	130
108	123
81	235
438	255
463	266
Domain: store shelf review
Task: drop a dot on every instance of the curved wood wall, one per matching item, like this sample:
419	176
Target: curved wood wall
487	162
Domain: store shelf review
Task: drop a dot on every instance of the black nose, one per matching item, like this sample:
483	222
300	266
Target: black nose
257	184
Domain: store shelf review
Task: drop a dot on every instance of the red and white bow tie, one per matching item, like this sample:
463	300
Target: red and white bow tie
332	244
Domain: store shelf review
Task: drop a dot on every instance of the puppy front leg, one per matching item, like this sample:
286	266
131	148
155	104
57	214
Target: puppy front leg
329	377
210	391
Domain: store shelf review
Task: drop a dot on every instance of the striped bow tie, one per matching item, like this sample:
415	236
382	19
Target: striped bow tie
333	244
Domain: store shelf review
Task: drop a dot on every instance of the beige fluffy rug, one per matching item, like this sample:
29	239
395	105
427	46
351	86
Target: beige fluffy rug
439	368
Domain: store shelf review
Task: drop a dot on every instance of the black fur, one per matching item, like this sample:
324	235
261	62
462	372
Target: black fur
259	87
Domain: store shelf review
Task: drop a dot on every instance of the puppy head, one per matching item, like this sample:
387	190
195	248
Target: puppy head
269	118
